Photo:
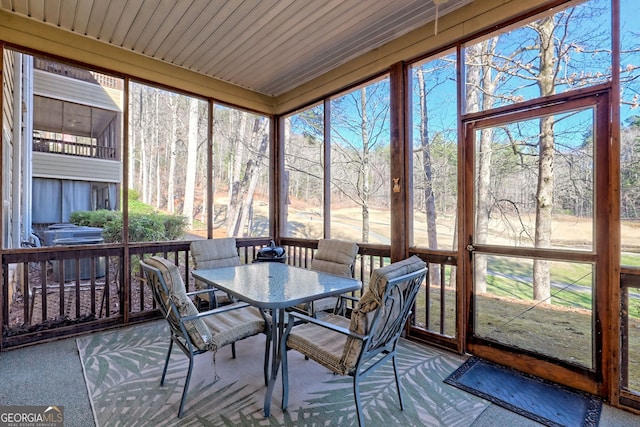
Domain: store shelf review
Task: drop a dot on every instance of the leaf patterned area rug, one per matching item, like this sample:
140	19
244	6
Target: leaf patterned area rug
123	367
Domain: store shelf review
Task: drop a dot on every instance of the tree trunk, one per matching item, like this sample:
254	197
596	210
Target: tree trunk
544	192
364	188
429	197
192	155
480	81
154	172
260	138
235	183
144	167
172	157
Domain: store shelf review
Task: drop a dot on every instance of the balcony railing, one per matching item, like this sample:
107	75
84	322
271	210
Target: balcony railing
78	73
93	150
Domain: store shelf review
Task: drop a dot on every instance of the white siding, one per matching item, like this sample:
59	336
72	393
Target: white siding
73	90
60	166
7	145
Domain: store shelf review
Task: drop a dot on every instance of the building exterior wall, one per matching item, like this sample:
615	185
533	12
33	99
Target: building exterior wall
57	166
73	90
7	145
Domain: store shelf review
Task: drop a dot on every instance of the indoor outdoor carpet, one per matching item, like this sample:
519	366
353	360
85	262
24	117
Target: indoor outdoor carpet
535	398
123	368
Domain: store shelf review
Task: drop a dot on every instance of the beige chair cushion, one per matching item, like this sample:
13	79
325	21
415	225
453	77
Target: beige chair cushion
210	332
231	326
197	329
335	257
214	253
326	346
362	315
337	351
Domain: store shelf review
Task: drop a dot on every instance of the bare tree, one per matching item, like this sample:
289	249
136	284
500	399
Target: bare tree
172	156
253	170
190	170
429	197
359	130
544	193
481	84
238	119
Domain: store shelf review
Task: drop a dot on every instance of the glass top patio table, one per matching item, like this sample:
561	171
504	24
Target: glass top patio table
275	286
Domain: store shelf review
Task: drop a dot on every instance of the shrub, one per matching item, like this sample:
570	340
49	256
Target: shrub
174	226
143	227
94	218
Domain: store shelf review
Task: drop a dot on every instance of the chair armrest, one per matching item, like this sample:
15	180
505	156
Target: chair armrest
215	311
200	291
331	326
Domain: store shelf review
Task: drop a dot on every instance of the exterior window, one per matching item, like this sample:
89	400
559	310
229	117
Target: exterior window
304	174
629	132
435	153
63	157
360	164
240	173
568	50
167	167
629	184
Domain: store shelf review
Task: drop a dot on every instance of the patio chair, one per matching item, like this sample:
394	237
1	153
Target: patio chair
213	253
335	257
199	332
358	346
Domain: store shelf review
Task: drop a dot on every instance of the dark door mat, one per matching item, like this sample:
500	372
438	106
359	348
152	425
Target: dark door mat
532	397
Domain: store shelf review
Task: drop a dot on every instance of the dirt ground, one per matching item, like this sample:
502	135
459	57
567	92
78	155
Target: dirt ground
76	303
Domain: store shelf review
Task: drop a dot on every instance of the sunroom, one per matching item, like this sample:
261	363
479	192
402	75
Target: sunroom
495	140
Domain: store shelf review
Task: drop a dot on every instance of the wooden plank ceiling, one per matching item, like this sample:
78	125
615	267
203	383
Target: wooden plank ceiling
269	46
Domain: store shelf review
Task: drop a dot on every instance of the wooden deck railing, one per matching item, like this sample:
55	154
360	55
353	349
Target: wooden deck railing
57	291
629	335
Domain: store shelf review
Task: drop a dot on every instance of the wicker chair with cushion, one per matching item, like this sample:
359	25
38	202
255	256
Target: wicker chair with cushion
358	346
335	257
214	253
199	332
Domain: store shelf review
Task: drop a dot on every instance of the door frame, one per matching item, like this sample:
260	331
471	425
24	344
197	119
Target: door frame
605	196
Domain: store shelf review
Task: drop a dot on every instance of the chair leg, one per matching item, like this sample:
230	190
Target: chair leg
166	362
395	373
356	394
186	386
233	350
267	350
285	375
213	302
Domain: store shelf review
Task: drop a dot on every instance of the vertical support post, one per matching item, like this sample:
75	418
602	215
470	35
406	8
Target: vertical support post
400	168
